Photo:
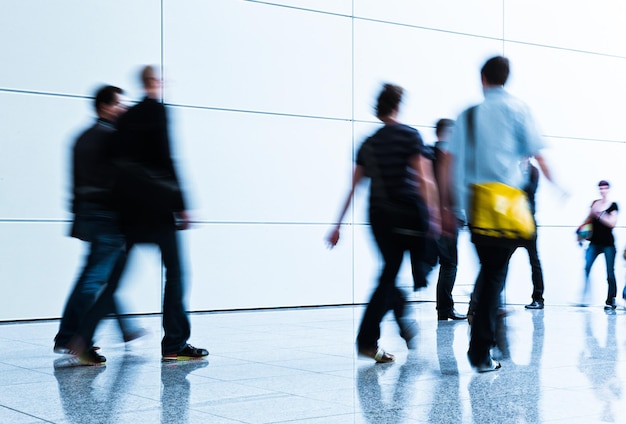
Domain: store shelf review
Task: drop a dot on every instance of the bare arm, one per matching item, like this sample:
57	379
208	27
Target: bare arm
608	219
444	178
333	237
544	167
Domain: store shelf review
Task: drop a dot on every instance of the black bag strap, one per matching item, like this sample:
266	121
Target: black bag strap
471	135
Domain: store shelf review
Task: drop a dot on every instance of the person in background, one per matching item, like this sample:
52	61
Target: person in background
531	174
96	221
603	218
447	243
403	211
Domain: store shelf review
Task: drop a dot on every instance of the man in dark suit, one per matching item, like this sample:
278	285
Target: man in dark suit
152	208
152	216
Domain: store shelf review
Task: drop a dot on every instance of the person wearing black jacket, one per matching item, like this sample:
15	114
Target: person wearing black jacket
149	215
152	208
96	221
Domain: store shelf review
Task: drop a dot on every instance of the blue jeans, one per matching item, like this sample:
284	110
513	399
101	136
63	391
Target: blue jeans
103	265
609	256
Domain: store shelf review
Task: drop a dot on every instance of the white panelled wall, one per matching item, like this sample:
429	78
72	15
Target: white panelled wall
268	102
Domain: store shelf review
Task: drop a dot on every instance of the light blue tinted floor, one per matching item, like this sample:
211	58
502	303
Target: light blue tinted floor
561	365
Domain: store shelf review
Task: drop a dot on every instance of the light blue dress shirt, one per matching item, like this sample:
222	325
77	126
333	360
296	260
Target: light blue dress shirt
504	134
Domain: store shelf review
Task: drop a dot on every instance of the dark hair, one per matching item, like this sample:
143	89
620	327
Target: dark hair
604	183
443	125
106	96
388	100
496	70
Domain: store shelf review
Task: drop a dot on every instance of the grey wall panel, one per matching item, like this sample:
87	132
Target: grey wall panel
342	7
440	71
67	46
577	25
252	265
253	56
477	17
38	132
248	167
572	94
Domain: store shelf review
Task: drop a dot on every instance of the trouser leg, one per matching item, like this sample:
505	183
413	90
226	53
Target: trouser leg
609	256
591	254
537	272
105	303
494	262
448	259
386	296
175	321
103	254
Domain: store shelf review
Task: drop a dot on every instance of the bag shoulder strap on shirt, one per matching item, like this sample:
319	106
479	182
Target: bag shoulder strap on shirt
471	136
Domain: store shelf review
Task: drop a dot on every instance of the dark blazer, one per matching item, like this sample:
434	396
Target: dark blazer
143	140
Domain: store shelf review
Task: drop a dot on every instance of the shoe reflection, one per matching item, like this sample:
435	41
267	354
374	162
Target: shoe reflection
598	364
446	405
386	390
88	394
513	394
176	389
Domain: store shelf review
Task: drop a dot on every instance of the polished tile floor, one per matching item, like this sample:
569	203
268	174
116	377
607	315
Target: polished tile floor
560	365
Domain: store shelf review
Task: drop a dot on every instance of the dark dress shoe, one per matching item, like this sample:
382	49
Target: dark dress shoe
451	314
610	304
536	304
487	364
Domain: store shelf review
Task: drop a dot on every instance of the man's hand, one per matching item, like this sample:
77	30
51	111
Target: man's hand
333	238
183	221
449	222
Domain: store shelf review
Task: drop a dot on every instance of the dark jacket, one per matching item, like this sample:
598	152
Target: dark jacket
92	167
147	201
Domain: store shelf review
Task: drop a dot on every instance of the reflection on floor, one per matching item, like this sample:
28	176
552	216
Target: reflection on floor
560	365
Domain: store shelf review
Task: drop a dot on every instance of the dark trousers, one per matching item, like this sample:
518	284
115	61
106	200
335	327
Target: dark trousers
175	321
103	266
535	265
494	264
387	296
448	261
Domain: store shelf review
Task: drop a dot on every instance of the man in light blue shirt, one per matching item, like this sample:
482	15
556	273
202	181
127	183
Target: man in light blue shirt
488	143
